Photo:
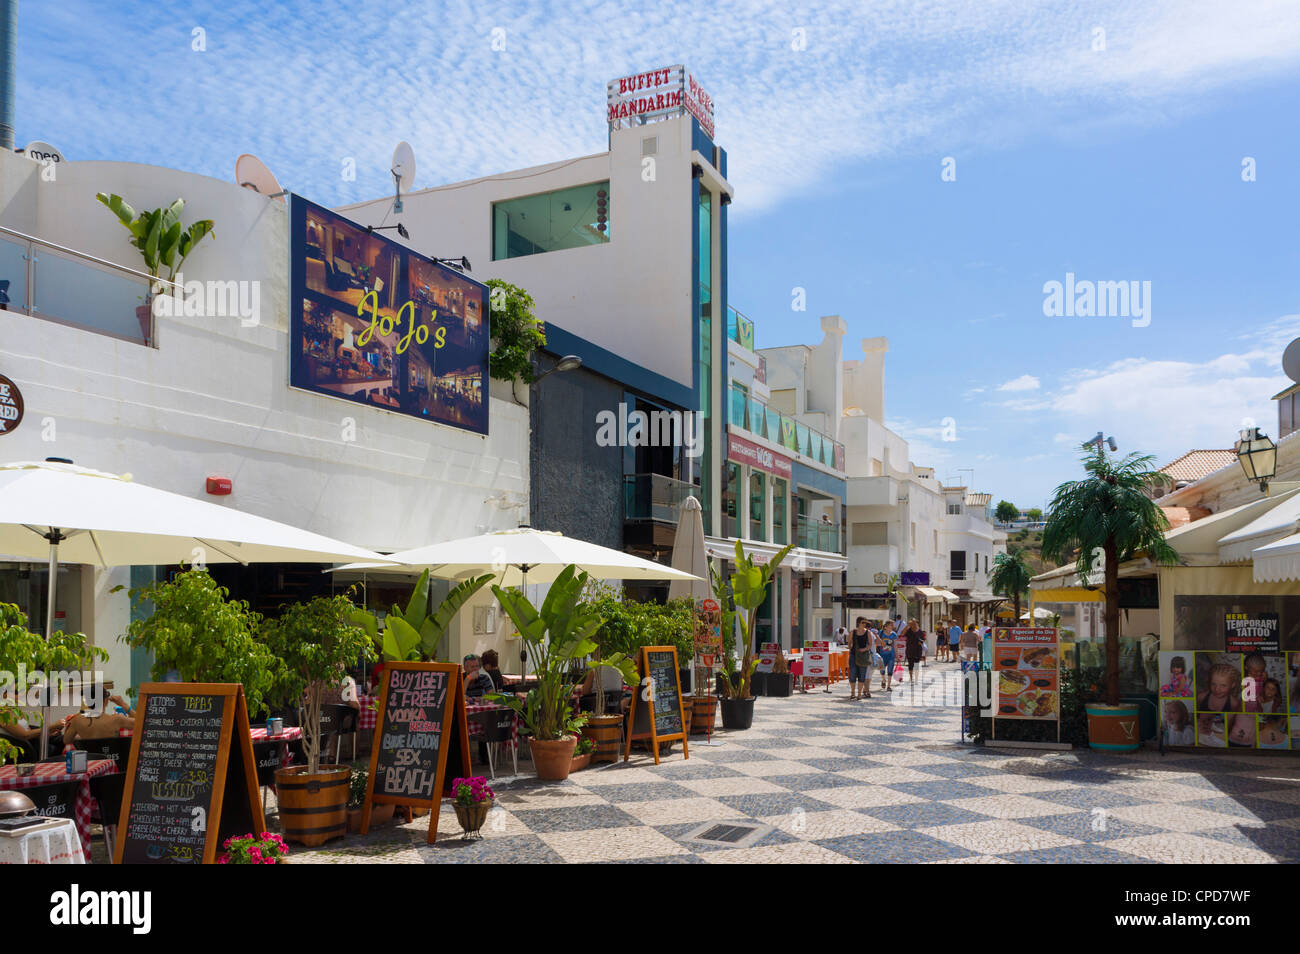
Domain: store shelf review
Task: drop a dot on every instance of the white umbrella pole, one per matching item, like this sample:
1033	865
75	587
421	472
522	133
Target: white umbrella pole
54	537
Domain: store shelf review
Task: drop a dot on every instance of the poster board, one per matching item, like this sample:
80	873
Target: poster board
1222	700
656	711
817	663
1251	632
767	656
1026	674
420	730
708	643
191	781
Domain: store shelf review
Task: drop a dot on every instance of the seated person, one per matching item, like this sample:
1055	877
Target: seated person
477	682
492	666
343	692
88	725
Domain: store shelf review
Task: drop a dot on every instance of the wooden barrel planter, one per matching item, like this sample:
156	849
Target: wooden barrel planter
1113	728
607	732
313	808
704	710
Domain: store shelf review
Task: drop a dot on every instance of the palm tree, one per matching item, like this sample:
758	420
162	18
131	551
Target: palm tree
1010	575
1108	514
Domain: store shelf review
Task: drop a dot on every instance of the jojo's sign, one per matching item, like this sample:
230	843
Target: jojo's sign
11	405
742	451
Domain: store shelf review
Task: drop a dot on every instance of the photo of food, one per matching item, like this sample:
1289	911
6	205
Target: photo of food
1012	683
1040	657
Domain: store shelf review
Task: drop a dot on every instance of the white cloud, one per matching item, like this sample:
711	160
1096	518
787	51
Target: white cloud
1026	382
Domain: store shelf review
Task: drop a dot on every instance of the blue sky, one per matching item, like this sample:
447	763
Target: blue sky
1119	163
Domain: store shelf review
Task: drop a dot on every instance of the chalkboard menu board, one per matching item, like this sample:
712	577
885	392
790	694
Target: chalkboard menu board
656	710
419	729
191	781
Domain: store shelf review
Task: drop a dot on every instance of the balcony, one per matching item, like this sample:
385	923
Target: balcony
655	497
872	492
740	329
749	413
815	535
48	281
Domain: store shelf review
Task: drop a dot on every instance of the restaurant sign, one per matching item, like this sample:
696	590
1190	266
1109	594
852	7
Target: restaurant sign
657	94
742	451
914	578
11	405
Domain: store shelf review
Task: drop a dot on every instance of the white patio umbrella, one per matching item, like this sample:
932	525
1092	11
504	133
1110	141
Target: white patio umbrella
525	555
689	554
61	512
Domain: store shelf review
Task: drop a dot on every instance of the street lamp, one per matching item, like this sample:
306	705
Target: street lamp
1099	440
1257	456
570	362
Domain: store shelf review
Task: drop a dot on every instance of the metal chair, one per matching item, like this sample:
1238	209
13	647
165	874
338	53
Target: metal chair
340	720
118	751
496	727
268	755
107	791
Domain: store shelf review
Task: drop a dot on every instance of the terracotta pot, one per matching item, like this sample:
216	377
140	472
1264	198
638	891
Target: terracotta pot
313	808
553	759
472	817
607	732
580	762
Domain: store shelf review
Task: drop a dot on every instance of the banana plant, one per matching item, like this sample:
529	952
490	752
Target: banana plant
414	633
555	636
158	235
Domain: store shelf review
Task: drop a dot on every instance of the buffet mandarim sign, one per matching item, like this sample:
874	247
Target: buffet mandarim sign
657	94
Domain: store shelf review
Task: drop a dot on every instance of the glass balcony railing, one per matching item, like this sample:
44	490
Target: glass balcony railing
816	535
655	497
740	329
749	413
60	284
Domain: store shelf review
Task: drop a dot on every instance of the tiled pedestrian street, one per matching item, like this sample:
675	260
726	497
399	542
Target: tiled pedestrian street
827	779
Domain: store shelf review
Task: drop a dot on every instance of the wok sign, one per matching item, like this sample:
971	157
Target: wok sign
11	405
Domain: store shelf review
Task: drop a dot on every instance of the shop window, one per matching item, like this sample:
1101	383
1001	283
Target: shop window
757	506
779	507
551	221
730	488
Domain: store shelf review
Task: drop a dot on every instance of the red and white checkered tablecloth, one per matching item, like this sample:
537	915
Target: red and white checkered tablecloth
51	773
369	716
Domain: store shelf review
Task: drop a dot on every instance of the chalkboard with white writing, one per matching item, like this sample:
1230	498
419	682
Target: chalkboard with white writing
420	737
656	708
187	784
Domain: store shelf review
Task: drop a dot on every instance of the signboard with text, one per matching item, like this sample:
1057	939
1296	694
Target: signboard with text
817	659
657	94
1251	632
742	451
1225	700
11	405
1026	668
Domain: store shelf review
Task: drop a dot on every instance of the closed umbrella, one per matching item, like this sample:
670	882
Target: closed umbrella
689	554
57	511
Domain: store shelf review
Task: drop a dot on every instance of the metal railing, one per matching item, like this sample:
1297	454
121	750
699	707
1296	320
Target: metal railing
740	329
816	535
655	497
748	412
60	284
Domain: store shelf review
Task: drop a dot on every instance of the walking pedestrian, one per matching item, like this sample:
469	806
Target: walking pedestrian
941	644
885	647
954	638
913	651
861	649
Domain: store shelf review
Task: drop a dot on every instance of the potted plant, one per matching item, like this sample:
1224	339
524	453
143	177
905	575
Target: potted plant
317	642
1111	515
200	634
555	637
582	754
737	703
162	243
473	800
417	632
780	681
265	849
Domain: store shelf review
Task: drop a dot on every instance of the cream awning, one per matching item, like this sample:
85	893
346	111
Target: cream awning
1278	562
934	595
1277	522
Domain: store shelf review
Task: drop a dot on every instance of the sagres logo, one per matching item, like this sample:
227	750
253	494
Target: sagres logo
1089	299
624	428
212	299
75	907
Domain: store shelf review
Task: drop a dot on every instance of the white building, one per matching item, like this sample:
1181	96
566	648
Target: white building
210	397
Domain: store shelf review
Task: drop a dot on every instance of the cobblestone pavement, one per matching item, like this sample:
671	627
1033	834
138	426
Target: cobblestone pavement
822	778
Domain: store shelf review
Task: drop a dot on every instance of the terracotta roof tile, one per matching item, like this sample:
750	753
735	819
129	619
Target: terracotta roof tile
1196	464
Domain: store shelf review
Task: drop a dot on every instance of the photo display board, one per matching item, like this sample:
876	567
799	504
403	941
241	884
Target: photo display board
656	709
191	779
376	323
1230	699
420	730
1026	670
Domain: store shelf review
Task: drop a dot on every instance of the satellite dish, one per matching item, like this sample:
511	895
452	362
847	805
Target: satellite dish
403	170
1291	360
404	166
251	173
41	151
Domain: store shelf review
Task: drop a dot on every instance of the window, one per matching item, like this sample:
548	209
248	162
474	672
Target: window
870	534
566	218
778	510
730	488
954	510
877	467
936	541
757	506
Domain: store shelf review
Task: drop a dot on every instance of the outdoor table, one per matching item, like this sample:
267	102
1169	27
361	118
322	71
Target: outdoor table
369	715
49	773
53	842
